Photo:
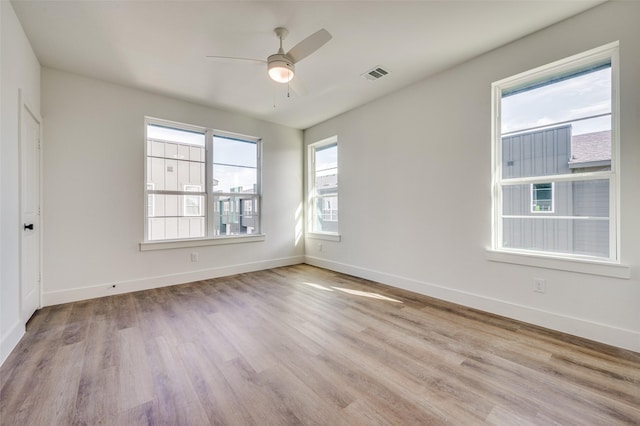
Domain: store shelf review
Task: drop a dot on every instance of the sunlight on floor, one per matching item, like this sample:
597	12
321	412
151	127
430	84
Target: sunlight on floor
353	292
318	286
367	294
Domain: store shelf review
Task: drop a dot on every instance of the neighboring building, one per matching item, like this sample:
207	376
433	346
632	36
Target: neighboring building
556	216
328	185
237	215
591	152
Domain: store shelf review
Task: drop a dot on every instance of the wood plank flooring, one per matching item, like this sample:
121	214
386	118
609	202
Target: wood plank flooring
302	345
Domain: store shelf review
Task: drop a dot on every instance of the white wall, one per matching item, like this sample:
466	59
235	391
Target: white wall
20	70
415	206
93	192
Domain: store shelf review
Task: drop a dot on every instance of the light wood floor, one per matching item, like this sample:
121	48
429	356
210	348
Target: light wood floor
302	345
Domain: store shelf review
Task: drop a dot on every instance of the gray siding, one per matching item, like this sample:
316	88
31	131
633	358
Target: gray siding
539	153
591	199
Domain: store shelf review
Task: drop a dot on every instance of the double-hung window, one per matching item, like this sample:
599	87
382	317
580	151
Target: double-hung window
555	175
236	177
323	186
200	183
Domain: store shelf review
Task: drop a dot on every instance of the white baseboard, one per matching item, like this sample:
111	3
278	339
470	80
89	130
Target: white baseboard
107	289
622	338
10	340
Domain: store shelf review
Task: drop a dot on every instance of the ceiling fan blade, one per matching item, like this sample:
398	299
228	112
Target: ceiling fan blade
298	87
233	58
309	45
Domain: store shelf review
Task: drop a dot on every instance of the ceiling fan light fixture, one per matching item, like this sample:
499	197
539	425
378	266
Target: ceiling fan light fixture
281	70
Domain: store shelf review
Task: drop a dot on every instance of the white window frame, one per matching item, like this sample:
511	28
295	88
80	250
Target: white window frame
521	256
311	191
210	237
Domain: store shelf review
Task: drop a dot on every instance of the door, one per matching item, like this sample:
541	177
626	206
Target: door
30	212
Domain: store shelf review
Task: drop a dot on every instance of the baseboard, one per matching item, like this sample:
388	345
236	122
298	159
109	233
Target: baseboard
10	340
622	338
107	289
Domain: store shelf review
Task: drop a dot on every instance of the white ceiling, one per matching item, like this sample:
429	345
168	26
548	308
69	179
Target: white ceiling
160	46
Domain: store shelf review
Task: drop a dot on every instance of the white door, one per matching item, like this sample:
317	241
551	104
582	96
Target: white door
30	212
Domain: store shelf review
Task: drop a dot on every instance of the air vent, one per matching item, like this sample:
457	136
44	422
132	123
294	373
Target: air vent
376	73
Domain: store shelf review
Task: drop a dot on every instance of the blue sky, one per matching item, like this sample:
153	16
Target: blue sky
582	96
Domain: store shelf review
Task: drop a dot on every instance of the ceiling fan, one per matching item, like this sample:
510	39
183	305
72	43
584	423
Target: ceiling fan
280	65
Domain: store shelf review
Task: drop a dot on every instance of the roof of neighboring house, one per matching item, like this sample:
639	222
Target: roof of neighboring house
590	148
327	182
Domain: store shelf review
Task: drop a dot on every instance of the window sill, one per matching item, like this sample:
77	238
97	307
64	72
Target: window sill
591	267
173	244
323	236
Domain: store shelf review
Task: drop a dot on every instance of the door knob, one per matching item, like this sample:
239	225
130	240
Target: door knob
29	226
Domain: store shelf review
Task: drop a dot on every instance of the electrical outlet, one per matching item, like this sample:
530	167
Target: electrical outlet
194	257
320	248
539	285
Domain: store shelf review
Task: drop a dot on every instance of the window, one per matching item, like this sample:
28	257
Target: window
197	179
192	204
323	186
554	163
248	209
542	198
150	201
235	185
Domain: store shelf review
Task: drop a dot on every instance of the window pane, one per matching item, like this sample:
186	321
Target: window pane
155	229
582	237
579	223
570	98
327	157
576	110
326	213
170	228
234	179
157	149
326	169
170	164
155	131
325	187
327	183
234	152
155	173
580	198
236	215
177	205
174	175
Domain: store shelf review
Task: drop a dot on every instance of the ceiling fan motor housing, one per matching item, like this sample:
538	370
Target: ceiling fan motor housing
280	67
